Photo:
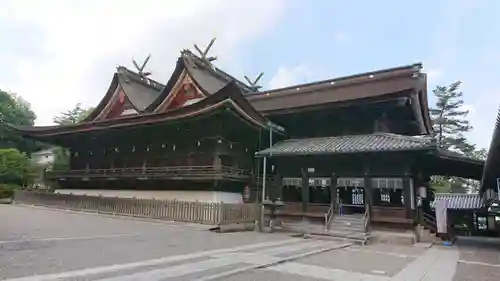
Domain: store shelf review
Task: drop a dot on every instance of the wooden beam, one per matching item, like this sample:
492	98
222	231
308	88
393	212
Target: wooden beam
333	188
305	189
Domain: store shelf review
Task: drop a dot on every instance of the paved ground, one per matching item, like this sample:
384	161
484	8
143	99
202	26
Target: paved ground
479	260
39	244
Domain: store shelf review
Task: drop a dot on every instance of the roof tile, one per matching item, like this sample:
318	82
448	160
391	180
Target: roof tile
461	201
348	144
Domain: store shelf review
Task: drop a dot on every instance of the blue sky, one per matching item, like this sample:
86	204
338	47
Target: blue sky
56	56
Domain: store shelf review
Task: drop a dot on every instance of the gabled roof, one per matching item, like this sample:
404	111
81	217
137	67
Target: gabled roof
227	98
207	78
460	201
378	142
386	84
492	167
380	85
141	92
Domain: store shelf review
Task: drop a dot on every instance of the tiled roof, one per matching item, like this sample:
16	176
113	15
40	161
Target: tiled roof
460	201
377	142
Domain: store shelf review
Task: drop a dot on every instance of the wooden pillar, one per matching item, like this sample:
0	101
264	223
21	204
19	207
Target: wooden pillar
305	190
368	192
333	188
407	195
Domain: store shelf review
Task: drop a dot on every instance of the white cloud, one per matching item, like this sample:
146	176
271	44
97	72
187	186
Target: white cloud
83	41
288	76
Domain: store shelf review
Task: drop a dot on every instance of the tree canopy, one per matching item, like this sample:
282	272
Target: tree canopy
450	119
16	111
73	116
450	125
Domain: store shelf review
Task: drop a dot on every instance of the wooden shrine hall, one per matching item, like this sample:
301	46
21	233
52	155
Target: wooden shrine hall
363	140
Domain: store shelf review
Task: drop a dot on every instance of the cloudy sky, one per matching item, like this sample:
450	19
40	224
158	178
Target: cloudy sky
56	53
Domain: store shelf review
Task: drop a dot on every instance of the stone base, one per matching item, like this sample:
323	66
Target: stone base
396	238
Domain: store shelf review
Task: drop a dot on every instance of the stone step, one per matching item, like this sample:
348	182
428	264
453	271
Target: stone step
360	239
354	223
347	228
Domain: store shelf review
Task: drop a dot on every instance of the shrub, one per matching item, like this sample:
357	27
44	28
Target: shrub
7	191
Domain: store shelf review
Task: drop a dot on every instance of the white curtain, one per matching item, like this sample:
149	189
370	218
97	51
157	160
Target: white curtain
441	216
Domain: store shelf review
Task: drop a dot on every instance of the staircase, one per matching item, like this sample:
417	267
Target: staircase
350	227
427	232
345	227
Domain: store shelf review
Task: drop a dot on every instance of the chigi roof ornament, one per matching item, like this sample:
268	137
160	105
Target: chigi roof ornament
140	69
204	54
254	84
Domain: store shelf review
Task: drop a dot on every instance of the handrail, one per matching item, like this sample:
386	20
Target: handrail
430	221
335	207
329	216
366	219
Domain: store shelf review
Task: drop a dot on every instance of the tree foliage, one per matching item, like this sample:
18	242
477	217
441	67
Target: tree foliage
16	111
450	124
14	167
450	119
73	116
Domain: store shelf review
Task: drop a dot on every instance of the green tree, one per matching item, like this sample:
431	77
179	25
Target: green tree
16	111
450	119
15	167
450	124
73	116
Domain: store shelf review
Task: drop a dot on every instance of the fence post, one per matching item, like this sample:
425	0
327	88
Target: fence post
220	219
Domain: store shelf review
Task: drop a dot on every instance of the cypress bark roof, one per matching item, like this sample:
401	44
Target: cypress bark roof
140	92
227	98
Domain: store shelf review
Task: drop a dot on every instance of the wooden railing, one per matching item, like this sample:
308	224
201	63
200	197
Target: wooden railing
198	212
154	172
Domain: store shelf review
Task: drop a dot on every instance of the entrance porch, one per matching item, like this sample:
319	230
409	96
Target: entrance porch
348	195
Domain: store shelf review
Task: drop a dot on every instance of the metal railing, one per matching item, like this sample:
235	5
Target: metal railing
335	208
366	219
328	216
430	221
167	171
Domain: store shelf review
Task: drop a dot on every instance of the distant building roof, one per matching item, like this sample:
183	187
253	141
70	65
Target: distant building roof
461	201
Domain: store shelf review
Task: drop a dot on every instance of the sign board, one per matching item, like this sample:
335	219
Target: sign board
311	170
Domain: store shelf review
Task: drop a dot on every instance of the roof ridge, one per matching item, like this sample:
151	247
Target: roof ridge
392	135
457	194
137	78
416	66
216	71
405	137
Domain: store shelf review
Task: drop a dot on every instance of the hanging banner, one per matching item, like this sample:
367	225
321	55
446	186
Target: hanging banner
442	216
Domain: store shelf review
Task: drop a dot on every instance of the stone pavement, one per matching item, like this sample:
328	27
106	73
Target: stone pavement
479	259
38	244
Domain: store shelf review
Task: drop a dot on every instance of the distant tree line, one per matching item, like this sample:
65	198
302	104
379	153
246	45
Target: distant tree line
16	169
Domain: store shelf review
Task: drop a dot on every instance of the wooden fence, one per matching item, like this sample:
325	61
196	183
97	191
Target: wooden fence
198	212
